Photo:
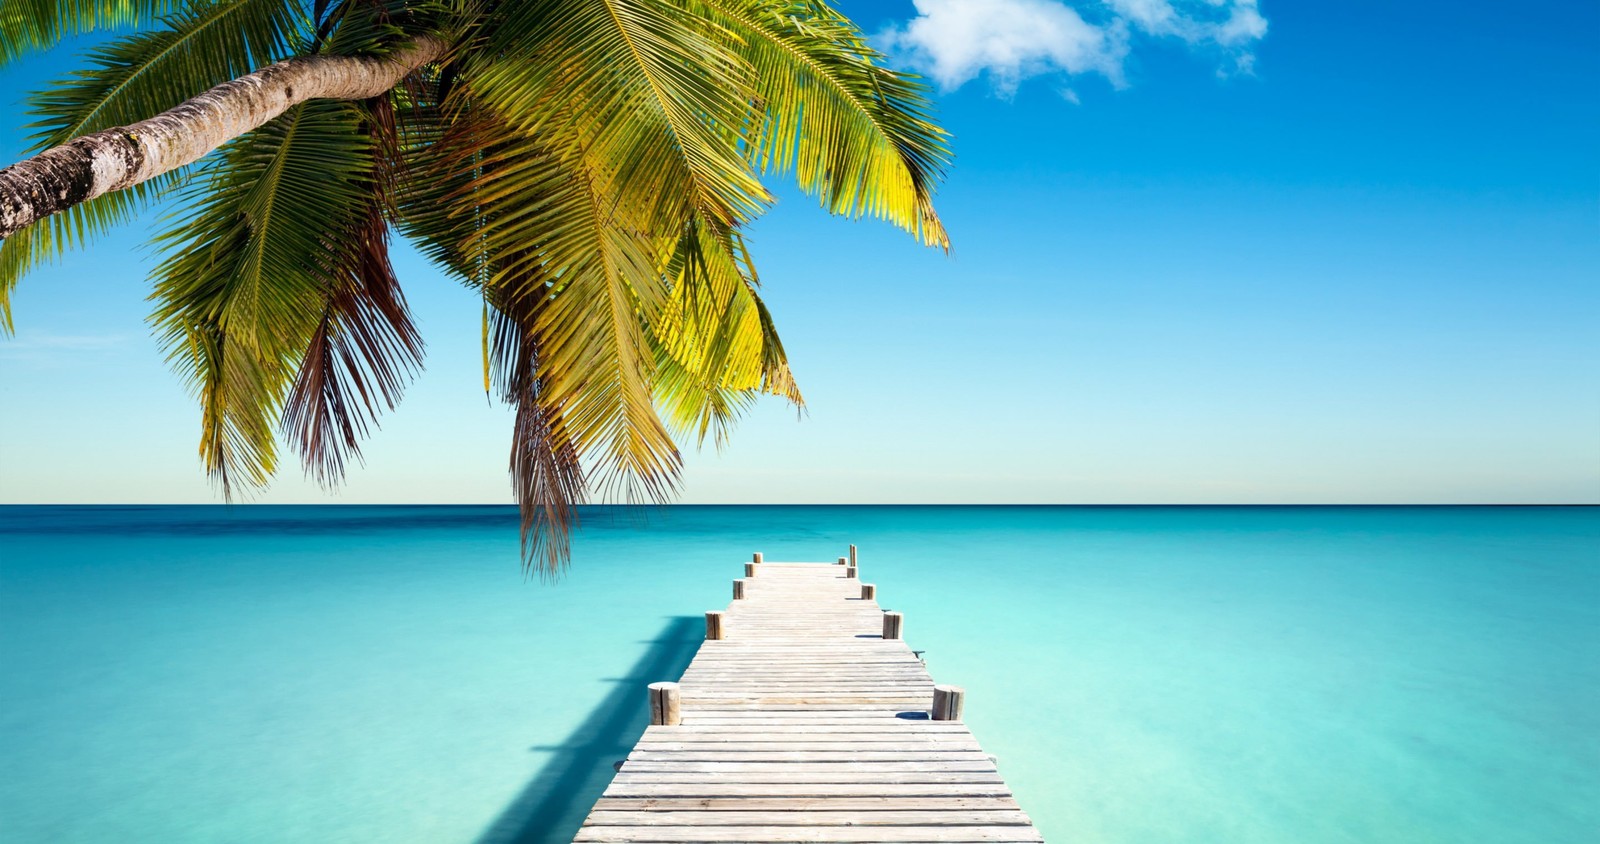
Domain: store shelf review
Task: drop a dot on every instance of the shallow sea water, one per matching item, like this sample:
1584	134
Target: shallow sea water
386	674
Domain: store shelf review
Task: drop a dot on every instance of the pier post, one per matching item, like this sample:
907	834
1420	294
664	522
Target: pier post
714	625
749	569
852	555
869	591
843	561
891	625
756	557
666	705
948	702
850	572
738	590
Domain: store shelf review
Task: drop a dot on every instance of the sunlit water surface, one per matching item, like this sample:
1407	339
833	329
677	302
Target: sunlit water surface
386	674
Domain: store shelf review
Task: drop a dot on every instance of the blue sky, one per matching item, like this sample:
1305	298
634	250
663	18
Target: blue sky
1204	252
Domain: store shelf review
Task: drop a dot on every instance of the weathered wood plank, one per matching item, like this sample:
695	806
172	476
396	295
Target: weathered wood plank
880	766
815	818
767	738
821	789
807	755
809	776
663	834
804	804
883	726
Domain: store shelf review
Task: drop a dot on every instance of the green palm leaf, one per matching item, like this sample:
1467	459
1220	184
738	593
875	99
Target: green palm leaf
651	96
250	268
441	151
366	349
603	286
30	25
126	81
716	349
582	280
855	133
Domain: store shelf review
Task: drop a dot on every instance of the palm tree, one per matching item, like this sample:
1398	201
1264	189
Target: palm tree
586	166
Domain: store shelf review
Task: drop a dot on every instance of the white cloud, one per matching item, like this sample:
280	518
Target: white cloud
1228	23
955	41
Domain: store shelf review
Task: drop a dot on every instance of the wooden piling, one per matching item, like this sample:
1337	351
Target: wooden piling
843	561
749	569
869	591
850	572
666	705
738	590
948	702
892	622
714	625
756	558
852	555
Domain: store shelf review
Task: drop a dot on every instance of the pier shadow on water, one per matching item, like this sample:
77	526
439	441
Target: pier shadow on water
553	804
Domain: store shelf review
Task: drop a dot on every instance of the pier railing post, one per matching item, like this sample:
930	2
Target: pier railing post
852	555
756	557
738	590
666	705
750	569
850	572
714	625
948	702
843	561
891	625
869	591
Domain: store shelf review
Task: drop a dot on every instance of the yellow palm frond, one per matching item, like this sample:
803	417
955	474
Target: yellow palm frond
856	134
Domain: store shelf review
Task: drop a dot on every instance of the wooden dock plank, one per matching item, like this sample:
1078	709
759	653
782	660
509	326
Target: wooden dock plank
804	724
925	834
637	766
828	789
811	777
802	804
815	817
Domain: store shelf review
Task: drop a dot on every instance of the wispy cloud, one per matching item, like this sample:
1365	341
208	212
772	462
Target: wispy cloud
956	41
42	347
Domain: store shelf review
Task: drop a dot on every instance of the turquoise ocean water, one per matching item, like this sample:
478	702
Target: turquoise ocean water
385	674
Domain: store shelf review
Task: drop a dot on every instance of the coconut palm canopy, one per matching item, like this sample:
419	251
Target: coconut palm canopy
586	166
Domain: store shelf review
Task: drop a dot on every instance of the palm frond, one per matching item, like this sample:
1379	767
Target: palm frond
27	26
603	286
18	254
441	147
126	81
547	474
363	353
366	348
535	232
145	73
716	347
380	27
463	175
856	134
652	98
250	267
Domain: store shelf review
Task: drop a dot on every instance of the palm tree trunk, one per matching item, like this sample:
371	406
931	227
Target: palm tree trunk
119	158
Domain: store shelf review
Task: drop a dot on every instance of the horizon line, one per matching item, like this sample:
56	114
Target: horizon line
805	504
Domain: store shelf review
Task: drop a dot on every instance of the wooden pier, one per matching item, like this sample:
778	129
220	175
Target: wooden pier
805	717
